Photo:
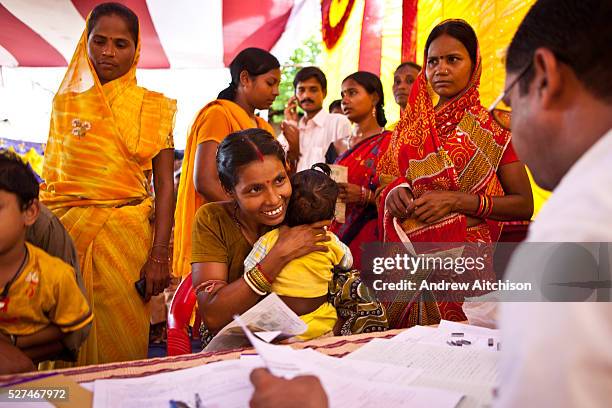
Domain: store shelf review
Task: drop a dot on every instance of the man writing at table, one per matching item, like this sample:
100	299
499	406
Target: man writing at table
559	85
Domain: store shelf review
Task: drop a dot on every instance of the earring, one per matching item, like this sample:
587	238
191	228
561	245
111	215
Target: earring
374	111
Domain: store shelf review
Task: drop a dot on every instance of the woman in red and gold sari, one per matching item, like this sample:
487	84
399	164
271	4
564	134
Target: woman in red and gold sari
107	136
363	103
452	171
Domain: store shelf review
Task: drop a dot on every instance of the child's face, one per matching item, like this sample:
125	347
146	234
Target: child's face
13	221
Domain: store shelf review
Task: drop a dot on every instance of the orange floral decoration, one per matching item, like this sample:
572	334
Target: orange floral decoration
332	27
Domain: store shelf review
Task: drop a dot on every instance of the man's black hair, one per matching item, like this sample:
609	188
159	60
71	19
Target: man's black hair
306	73
335	104
578	32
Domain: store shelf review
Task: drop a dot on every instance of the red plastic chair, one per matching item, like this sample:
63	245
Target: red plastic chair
179	315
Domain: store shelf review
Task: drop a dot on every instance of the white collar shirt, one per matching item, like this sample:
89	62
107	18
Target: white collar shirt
317	134
559	354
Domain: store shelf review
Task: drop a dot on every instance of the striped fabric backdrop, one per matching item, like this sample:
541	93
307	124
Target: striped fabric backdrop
175	34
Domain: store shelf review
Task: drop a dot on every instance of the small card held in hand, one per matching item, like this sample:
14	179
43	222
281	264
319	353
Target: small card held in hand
340	175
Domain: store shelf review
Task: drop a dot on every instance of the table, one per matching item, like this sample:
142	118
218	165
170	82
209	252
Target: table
333	346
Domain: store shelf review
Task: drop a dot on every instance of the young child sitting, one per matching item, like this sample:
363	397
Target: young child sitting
304	282
43	312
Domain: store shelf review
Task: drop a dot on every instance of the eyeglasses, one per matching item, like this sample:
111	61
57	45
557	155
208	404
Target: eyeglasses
502	117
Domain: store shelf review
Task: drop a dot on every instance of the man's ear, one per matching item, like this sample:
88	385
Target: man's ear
31	213
548	78
324	93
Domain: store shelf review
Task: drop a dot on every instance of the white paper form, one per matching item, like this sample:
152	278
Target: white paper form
340	175
468	329
473	372
351	384
271	314
224	384
477	336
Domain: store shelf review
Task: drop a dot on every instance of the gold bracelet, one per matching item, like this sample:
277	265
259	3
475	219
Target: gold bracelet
252	285
259	279
263	278
159	261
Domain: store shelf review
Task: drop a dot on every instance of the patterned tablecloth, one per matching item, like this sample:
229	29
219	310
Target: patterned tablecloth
333	346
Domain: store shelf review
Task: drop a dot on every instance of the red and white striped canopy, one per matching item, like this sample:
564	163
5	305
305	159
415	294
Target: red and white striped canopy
174	33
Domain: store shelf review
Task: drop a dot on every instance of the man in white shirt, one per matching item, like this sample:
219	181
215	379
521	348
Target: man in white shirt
307	141
559	85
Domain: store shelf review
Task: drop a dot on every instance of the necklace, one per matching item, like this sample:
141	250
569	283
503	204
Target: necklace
241	227
352	143
7	287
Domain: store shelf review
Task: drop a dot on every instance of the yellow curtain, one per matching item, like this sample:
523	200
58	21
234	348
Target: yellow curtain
391	54
343	59
495	22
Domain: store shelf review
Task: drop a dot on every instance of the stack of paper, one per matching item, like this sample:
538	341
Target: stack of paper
348	383
471	369
416	368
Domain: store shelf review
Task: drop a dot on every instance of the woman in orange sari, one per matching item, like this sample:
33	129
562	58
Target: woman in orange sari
452	171
255	80
107	136
363	103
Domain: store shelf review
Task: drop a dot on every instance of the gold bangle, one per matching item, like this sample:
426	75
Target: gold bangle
259	279
252	285
264	280
159	261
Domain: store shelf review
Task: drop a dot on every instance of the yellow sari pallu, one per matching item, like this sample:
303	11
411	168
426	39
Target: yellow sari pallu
97	170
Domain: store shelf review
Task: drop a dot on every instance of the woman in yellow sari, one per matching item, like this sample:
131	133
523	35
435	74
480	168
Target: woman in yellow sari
255	80
106	136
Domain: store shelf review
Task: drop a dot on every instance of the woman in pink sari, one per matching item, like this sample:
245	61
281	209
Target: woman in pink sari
363	103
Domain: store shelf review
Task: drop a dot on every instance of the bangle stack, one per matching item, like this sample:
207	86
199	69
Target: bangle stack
485	206
257	281
365	196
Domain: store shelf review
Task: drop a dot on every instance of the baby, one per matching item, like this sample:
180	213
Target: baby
304	282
